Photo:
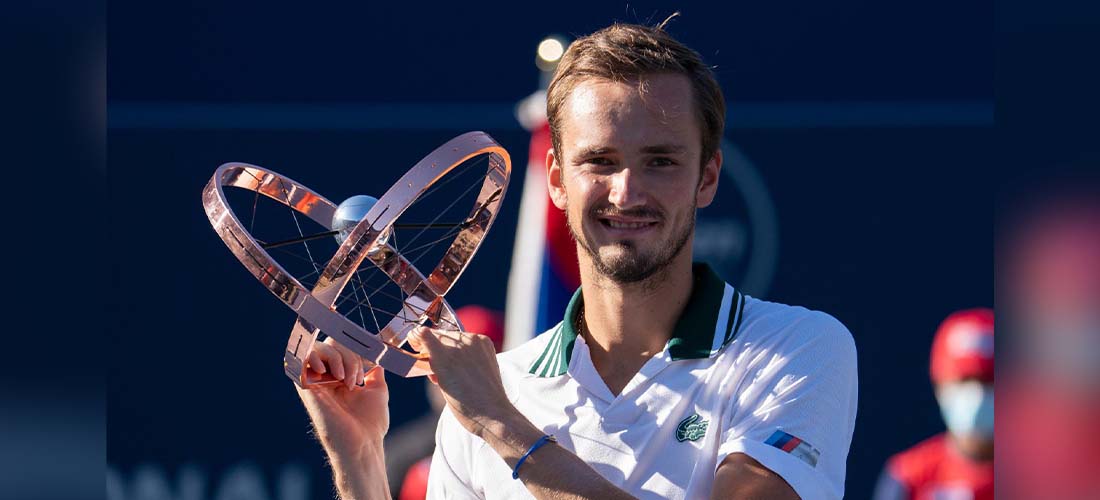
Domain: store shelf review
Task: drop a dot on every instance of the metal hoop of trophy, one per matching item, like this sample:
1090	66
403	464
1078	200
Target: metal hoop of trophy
338	303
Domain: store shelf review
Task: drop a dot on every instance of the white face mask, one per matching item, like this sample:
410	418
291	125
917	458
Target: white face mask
967	407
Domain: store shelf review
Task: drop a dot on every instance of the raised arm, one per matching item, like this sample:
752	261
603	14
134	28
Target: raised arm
350	420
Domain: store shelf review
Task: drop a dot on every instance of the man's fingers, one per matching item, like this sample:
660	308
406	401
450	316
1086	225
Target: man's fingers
452	338
422	340
355	372
485	343
344	364
348	365
336	366
431	338
316	362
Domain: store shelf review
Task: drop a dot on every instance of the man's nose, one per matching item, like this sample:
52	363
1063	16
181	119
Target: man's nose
626	189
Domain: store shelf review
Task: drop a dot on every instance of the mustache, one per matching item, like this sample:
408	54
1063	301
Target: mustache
639	212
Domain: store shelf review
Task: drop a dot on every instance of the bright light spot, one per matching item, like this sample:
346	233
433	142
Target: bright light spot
550	50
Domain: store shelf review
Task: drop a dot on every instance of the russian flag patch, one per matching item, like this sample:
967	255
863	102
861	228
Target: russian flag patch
795	446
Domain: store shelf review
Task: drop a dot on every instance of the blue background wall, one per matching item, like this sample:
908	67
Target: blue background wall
869	122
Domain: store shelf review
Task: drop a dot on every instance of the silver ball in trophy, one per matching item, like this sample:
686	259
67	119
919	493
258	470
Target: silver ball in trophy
348	214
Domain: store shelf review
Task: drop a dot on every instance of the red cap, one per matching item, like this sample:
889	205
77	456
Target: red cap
963	347
477	319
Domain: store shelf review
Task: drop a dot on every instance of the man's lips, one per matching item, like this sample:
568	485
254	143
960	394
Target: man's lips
626	223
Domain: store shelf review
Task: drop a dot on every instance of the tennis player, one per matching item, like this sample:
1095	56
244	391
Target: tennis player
662	380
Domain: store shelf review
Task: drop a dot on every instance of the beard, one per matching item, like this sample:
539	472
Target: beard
631	265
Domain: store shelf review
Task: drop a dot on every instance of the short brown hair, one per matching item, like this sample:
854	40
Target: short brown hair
627	52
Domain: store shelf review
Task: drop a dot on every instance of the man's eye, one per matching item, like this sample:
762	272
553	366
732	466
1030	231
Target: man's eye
662	162
599	160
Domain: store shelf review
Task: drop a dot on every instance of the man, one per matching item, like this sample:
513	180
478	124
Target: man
662	381
958	464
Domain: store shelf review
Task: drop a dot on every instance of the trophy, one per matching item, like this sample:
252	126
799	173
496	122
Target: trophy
371	292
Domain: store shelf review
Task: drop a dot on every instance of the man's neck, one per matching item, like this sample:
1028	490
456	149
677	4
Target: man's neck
624	325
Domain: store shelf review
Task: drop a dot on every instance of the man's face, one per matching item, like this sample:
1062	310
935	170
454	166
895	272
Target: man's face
628	174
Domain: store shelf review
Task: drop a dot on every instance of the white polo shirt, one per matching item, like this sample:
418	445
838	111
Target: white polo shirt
739	375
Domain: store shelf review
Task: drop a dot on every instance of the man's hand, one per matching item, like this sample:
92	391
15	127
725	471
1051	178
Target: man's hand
465	368
353	412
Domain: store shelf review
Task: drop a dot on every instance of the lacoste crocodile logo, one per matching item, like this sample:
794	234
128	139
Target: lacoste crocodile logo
691	428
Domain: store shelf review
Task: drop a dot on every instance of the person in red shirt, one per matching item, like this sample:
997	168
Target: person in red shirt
957	464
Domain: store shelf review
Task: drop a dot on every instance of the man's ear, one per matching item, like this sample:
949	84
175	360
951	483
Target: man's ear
708	184
554	181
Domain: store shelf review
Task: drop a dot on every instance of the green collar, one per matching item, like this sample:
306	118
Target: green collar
695	336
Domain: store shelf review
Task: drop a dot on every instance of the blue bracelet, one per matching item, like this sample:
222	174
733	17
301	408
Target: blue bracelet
549	438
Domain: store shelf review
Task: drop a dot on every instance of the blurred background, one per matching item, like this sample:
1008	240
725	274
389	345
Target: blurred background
858	184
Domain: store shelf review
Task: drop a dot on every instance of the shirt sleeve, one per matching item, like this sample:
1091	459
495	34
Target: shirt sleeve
794	408
449	478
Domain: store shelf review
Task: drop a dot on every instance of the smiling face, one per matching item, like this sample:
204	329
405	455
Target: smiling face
628	173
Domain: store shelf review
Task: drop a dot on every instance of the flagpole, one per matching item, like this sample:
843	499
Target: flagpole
525	281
